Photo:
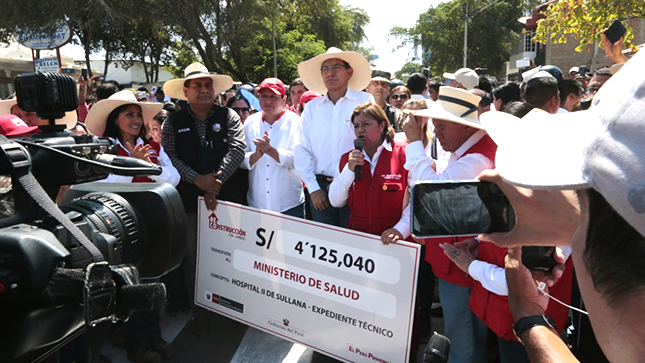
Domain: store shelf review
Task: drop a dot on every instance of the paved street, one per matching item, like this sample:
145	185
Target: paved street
231	342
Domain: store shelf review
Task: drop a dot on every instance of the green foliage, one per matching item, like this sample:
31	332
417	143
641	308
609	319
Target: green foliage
229	36
492	32
408	69
586	19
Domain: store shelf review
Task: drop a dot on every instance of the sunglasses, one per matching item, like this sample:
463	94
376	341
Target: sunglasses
244	110
402	96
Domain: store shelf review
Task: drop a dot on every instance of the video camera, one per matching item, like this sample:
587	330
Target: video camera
65	269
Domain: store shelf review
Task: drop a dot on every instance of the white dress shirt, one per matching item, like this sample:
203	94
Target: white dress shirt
458	168
168	172
326	134
493	277
273	185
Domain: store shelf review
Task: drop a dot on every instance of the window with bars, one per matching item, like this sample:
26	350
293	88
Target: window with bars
529	45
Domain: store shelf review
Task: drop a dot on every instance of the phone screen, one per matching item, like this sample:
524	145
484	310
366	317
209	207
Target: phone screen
459	208
538	258
522	63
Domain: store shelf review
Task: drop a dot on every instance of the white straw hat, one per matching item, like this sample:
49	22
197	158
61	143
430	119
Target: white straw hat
97	117
601	148
175	87
311	76
455	105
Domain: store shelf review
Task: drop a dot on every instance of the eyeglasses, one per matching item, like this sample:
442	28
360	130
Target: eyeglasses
333	68
244	110
401	96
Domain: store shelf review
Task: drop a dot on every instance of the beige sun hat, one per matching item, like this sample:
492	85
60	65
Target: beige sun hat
311	76
97	117
600	148
175	87
69	120
455	105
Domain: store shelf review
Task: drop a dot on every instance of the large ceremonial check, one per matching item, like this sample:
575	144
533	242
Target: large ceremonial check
340	292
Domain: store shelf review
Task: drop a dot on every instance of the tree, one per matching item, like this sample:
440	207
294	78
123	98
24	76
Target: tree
233	37
586	20
407	70
492	31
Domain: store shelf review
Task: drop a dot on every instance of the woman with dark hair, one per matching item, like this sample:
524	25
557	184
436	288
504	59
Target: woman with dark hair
376	199
122	118
240	105
506	94
399	95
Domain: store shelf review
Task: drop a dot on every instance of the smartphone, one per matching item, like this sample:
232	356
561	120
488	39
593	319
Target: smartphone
459	208
616	31
481	71
582	70
522	63
84	73
538	258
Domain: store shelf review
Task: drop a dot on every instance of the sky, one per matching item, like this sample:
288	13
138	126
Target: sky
384	15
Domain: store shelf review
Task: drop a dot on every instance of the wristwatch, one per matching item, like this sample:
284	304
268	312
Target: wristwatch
528	322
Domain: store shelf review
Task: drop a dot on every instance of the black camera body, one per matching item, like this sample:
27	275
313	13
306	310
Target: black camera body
138	228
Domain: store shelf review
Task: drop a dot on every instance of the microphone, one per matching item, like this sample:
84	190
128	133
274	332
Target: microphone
358	169
437	350
128	166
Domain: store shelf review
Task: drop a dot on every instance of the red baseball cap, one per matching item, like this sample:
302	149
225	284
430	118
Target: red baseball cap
275	85
308	96
12	125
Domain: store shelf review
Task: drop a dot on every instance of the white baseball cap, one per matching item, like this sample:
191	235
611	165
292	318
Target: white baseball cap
601	148
466	76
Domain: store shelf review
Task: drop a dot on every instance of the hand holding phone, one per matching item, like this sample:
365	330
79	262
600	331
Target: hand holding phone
610	42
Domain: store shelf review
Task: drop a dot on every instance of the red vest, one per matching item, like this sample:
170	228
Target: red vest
442	266
376	201
154	155
493	309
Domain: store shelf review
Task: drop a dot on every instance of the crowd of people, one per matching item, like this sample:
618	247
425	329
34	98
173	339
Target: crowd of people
342	146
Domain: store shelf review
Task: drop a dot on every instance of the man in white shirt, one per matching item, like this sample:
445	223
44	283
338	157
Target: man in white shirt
271	137
327	132
459	131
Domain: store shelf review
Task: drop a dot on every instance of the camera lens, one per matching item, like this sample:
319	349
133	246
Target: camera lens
111	214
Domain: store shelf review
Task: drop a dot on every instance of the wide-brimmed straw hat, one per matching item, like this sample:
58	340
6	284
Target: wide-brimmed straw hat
454	105
175	87
600	148
311	76
69	120
97	117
